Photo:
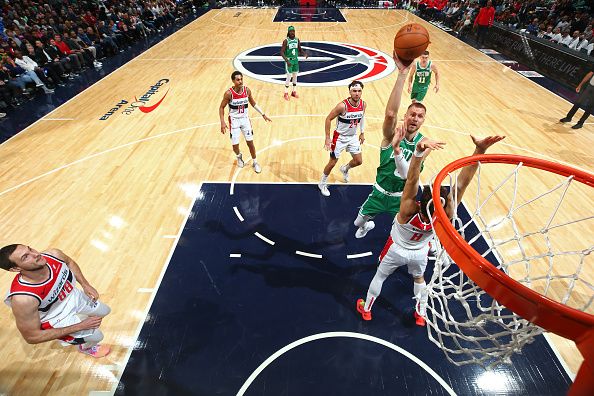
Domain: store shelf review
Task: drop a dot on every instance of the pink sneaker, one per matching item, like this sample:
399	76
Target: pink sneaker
97	351
286	96
366	315
294	94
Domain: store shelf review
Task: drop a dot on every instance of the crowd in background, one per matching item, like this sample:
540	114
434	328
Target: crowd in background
564	22
46	44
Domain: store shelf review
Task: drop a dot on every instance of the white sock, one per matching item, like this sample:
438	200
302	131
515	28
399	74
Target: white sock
238	155
254	161
347	167
421	295
360	221
324	178
375	288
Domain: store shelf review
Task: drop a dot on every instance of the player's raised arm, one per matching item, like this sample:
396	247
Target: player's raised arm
224	103
466	174
393	105
408	202
335	112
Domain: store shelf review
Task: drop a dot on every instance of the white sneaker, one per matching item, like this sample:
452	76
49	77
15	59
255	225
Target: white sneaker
257	167
345	173
362	231
240	162
324	189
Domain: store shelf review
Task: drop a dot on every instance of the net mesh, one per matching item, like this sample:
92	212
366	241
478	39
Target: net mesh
516	223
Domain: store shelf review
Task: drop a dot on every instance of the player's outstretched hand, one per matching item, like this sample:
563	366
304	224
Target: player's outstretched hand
429	144
399	134
223	127
266	118
402	65
483	144
91	292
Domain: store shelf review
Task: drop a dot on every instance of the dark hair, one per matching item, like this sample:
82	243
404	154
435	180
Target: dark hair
5	253
427	207
425	52
351	85
417	104
235	73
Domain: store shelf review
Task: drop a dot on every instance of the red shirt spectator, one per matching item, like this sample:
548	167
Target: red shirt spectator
62	46
485	16
90	19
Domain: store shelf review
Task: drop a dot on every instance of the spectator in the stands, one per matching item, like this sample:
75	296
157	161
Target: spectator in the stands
69	61
22	77
563	23
546	34
533	27
484	20
557	36
52	72
29	65
74	40
565	38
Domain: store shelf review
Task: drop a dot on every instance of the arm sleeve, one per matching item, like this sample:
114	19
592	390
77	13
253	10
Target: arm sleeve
401	166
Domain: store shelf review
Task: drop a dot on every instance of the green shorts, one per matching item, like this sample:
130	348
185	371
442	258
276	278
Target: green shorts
294	68
419	94
378	202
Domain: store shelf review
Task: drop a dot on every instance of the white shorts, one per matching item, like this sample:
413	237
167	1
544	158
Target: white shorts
239	126
340	143
394	256
80	307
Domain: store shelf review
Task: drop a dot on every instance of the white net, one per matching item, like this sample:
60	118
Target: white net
539	231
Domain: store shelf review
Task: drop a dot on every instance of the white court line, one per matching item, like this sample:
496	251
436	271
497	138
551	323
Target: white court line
235	255
154	293
569	372
306	254
184	59
345	334
145	290
169	236
239	216
358	255
262	237
55	119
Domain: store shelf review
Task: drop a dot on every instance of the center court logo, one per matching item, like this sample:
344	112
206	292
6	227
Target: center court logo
139	103
328	64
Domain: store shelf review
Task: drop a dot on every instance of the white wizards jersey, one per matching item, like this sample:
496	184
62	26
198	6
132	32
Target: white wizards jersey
238	105
346	123
412	235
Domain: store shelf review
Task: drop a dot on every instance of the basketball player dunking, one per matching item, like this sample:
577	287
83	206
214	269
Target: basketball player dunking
237	99
46	303
350	113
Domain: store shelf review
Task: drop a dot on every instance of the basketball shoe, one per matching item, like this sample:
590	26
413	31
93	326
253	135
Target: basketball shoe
257	167
324	189
366	315
97	351
294	94
362	231
286	96
240	162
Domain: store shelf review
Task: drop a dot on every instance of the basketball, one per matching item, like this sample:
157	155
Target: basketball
411	41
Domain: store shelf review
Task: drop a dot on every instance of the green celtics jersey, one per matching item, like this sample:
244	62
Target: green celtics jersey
422	76
292	50
385	176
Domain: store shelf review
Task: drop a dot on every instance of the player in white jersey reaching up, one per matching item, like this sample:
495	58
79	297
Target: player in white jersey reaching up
350	113
412	229
46	303
238	98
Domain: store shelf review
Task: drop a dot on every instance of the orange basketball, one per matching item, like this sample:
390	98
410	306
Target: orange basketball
411	41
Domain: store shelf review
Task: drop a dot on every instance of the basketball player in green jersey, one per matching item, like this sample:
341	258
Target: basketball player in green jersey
421	74
290	50
389	181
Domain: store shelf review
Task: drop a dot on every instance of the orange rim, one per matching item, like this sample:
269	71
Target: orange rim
549	314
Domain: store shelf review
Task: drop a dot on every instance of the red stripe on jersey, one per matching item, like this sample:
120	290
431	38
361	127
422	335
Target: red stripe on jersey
389	243
334	139
242	94
416	222
47	326
350	108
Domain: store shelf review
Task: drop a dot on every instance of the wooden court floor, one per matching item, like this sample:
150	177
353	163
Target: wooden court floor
114	193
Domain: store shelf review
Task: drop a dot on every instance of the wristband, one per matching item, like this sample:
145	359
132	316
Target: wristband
418	153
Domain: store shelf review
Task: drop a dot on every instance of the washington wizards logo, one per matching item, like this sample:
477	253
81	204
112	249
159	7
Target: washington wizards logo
327	64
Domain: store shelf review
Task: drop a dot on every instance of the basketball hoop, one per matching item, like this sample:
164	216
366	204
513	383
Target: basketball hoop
486	304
